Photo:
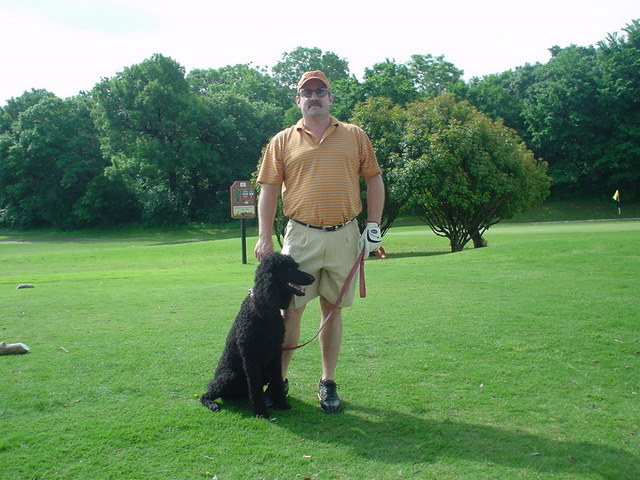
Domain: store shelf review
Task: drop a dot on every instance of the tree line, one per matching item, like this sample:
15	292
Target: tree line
157	146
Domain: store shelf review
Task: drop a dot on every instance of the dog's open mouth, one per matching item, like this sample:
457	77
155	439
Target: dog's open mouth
296	289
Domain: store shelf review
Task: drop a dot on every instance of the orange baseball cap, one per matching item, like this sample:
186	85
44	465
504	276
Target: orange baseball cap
317	74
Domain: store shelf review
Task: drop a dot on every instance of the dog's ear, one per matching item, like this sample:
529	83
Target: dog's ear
262	282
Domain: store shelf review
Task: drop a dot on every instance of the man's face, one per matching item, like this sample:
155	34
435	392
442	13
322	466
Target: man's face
314	106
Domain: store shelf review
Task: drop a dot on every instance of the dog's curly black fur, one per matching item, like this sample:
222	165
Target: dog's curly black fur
252	355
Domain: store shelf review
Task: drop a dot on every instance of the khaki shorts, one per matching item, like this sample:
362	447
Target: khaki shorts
328	256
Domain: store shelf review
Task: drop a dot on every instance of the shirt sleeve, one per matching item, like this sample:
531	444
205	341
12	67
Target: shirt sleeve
271	169
369	164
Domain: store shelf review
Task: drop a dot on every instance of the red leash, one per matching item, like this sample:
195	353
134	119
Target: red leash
363	293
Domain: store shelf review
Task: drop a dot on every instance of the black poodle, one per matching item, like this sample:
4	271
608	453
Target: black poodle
252	355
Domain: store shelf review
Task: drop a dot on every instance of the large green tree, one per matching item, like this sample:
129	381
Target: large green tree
464	172
143	102
564	118
578	111
48	156
618	165
232	132
244	80
424	76
293	64
497	96
384	122
434	76
391	80
147	116
179	146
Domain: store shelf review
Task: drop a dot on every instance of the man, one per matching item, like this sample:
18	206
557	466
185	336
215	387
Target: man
318	164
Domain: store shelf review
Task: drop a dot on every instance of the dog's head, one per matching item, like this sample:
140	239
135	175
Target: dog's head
281	275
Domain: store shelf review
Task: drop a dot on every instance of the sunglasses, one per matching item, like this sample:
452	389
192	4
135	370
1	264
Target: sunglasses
308	93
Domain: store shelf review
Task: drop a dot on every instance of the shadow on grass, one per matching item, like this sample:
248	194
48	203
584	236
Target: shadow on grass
399	438
157	236
393	255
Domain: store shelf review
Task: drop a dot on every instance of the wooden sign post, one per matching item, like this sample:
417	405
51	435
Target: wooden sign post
243	205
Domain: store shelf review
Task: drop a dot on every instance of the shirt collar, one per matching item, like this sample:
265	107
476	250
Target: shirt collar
334	122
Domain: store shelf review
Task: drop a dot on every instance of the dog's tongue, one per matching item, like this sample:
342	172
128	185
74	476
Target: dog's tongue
297	289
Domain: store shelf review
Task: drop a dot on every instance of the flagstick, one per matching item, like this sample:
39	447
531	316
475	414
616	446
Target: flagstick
616	197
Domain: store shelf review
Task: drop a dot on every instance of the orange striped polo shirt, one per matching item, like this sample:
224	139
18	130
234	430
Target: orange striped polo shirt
320	179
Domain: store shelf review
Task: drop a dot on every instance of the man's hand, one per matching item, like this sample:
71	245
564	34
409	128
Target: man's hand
267	202
370	239
263	248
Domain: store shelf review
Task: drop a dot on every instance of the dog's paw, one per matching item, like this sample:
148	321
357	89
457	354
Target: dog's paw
261	413
210	404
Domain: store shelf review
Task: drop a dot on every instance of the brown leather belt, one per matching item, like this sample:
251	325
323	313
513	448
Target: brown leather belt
330	228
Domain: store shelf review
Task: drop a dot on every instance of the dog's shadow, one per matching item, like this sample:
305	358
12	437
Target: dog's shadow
401	438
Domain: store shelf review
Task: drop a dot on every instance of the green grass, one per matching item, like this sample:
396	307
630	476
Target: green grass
578	210
562	211
520	360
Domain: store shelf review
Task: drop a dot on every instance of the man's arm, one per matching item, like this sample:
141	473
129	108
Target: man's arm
267	204
375	198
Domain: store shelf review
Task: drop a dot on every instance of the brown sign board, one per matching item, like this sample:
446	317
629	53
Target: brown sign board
243	200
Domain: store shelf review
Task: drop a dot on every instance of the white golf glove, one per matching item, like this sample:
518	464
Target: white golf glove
370	239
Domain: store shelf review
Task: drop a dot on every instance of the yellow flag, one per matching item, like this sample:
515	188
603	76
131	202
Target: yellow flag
616	196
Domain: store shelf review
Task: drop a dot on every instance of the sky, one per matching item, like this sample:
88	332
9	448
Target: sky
67	46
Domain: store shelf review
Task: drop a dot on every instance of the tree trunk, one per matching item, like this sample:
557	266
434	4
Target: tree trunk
478	241
456	245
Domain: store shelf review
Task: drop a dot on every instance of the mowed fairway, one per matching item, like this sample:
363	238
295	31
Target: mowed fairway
516	361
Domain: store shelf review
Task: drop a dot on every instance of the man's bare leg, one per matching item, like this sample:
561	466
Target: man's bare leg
330	339
292	318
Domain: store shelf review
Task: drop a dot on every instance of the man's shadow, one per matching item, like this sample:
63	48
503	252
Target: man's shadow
400	438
